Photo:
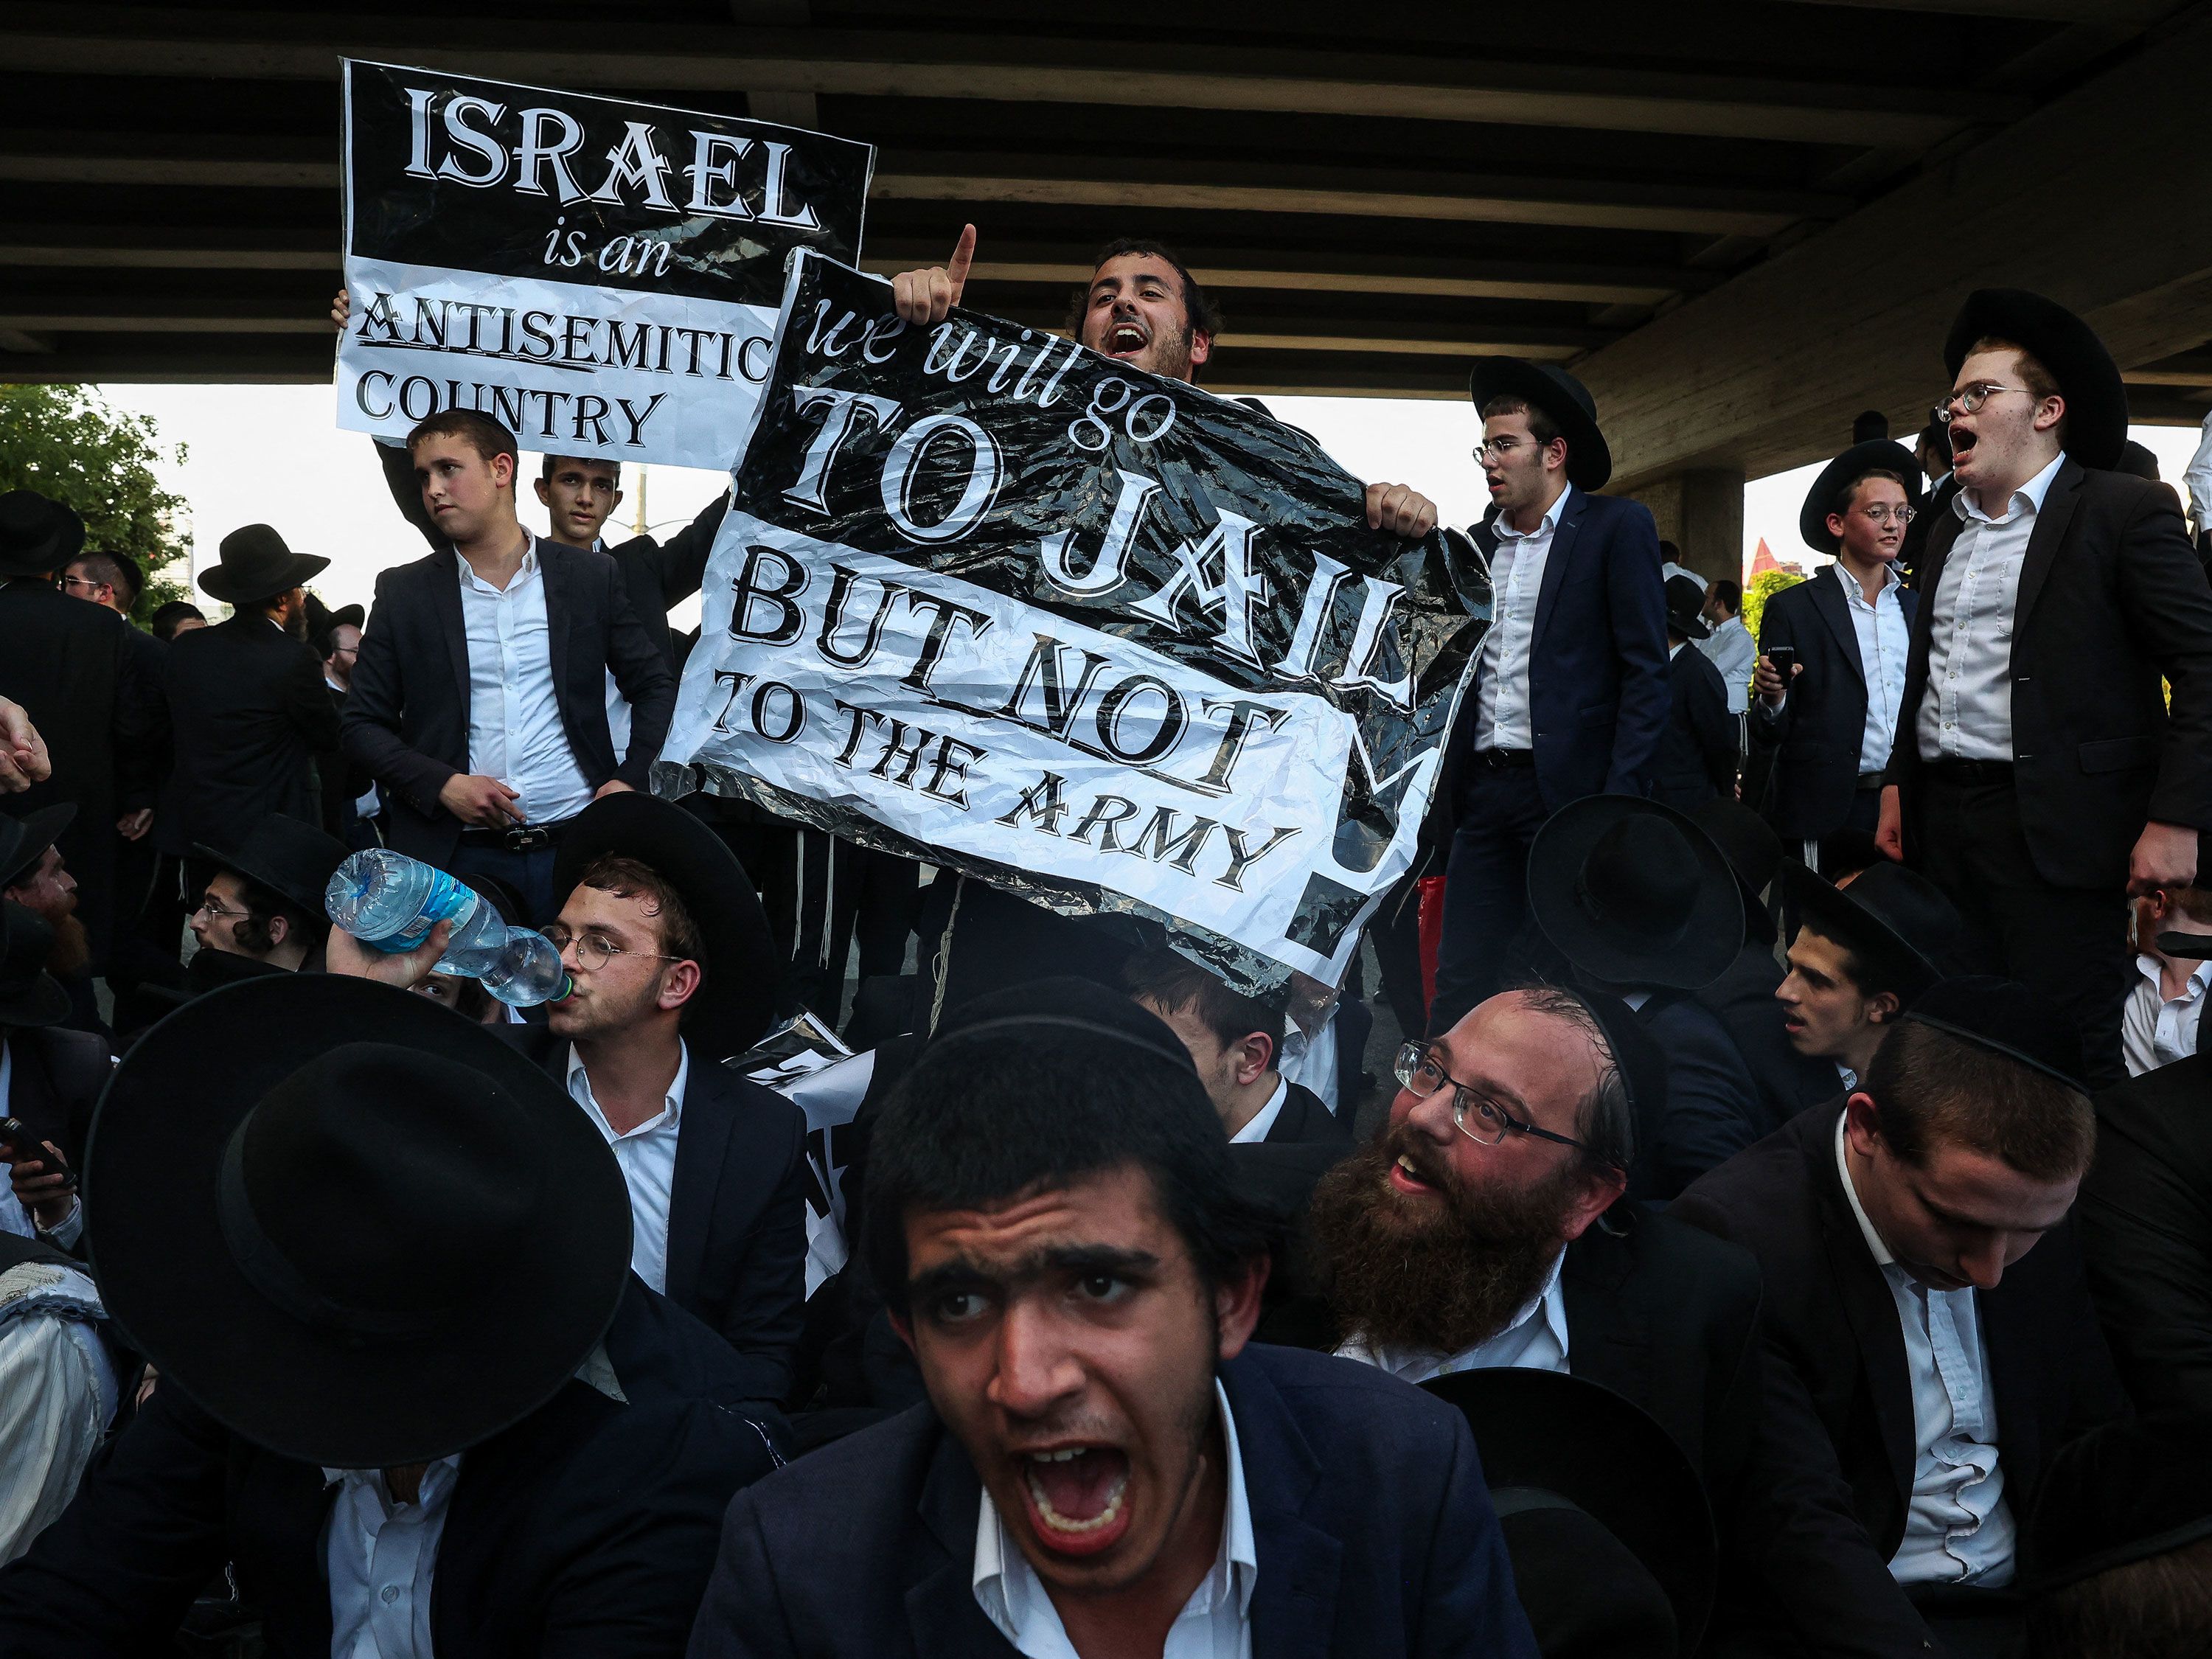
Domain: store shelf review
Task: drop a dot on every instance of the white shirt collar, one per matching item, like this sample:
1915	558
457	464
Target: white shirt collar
1545	525
2029	496
1890	582
1006	1586
527	567
1264	1119
1882	1251
2152	969
669	1117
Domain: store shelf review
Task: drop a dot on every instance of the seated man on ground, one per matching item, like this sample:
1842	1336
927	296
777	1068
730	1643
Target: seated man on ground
1106	1464
1930	1342
1863	953
262	910
2166	1003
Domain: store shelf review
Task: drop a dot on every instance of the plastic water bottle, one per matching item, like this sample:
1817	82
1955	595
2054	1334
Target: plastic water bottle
390	903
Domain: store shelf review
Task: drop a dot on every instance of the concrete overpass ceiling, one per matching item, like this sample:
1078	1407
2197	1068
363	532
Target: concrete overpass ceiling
1374	209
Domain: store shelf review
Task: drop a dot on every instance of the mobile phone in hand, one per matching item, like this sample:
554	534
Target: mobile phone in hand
27	1149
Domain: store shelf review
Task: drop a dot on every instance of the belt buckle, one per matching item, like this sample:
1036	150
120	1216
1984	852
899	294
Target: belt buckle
525	839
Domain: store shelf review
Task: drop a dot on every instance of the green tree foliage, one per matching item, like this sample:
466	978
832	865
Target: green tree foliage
67	442
1763	588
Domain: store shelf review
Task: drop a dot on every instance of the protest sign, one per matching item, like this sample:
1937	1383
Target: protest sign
1102	639
803	1060
599	275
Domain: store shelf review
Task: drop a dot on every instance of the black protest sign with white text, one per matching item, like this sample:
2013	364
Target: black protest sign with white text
1099	637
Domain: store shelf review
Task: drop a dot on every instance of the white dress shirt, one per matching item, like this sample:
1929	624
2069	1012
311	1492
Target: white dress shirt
381	1557
1884	643
2156	1030
1534	1340
1263	1119
515	732
617	706
1216	1623
1311	1061
1958	1528
2198	475
1516	578
1731	648
1965	712
647	1156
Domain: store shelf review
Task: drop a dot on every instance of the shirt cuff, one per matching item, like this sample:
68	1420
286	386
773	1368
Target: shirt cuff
70	1228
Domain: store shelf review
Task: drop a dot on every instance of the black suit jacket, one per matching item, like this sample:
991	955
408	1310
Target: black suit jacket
1597	671
2146	1220
1742	999
1821	725
737	1211
1698	750
585	1531
55	1078
249	712
2112	597
1838	1439
407	716
1710	1105
1373	1528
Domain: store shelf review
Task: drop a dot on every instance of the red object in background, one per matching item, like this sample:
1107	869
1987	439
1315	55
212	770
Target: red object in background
1432	933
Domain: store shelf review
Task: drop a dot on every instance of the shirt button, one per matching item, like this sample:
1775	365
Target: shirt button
389	1593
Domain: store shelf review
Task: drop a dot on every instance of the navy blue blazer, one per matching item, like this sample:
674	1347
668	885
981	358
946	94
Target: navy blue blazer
1374	1530
1598	689
1711	1106
1821	724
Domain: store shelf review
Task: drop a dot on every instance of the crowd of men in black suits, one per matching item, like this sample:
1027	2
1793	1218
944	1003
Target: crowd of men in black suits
1765	1250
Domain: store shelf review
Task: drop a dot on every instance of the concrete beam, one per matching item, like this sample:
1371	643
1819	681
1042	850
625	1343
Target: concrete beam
1765	372
304	44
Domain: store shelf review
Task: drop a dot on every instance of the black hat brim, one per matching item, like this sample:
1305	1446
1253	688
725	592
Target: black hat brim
218	583
1589	457
1554	1431
1875	455
1710	939
1833	913
736	1001
151	1180
64	542
286	886
2088	380
41	829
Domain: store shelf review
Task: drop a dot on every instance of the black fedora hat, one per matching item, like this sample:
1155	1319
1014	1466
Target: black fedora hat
1632	892
736	999
29	995
1554	1444
1753	851
287	856
2004	1017
38	535
355	1230
24	840
2120	1494
1565	400
2089	380
1889	912
1876	455
1686	599
255	565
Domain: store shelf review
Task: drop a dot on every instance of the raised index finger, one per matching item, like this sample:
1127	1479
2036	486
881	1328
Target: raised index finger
964	255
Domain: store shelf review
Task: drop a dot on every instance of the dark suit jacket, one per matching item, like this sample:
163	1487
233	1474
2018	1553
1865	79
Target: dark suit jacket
55	1081
407	716
1836	1457
2110	597
1698	750
71	665
1373	1527
1742	999
656	574
1710	1103
249	711
585	1531
2146	1220
1597	671
1821	724
737	1211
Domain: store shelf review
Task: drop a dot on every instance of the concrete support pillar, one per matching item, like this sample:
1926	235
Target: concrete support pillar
1700	510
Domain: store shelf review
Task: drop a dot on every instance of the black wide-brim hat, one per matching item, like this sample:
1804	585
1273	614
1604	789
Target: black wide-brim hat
1562	397
1551	1433
736	1001
1753	851
287	856
24	840
1632	892
29	995
154	1196
256	564
1685	600
2122	1494
1889	911
2088	380
1875	455
38	535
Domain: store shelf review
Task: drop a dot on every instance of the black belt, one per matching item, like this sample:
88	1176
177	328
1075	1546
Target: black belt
1872	780
1500	759
1971	771
524	838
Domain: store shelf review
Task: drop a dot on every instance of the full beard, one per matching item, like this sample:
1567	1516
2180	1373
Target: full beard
72	951
1434	1283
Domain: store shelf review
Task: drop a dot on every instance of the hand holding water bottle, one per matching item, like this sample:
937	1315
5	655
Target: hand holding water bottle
394	904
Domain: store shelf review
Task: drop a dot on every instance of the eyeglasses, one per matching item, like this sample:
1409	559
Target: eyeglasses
1971	398
215	910
1502	447
593	952
68	582
1481	1120
1885	513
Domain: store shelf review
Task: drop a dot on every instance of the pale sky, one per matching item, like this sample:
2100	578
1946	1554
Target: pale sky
274	454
